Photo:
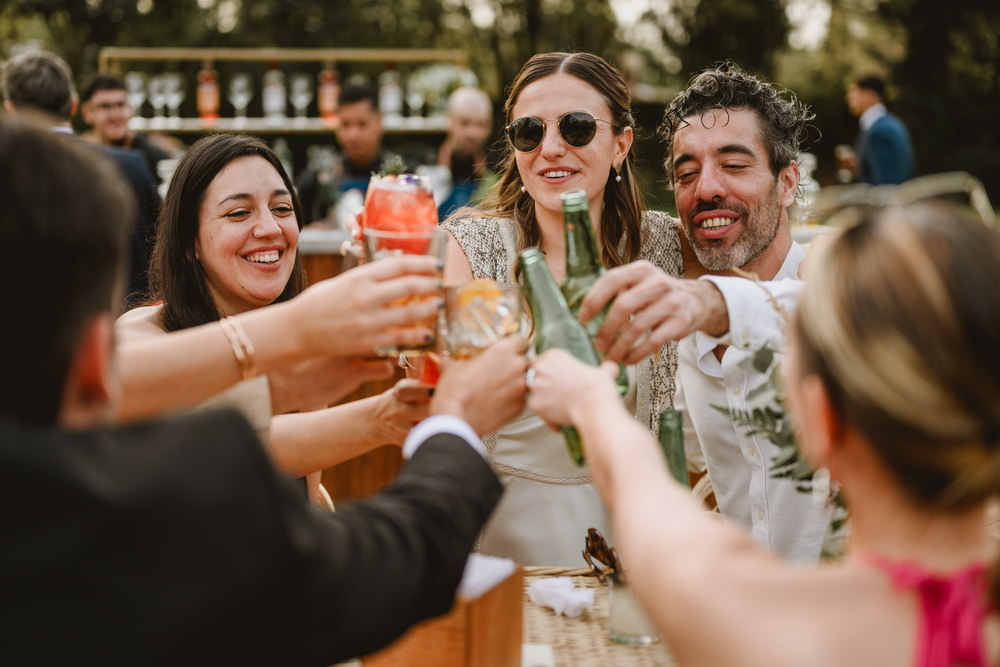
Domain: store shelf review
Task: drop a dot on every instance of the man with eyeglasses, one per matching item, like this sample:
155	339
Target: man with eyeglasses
105	108
732	144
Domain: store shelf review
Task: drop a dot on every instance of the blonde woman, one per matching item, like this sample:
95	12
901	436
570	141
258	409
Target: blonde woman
894	381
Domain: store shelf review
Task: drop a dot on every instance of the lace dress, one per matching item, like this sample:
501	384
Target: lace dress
549	502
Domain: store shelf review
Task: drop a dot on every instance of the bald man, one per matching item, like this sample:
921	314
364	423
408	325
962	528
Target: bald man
470	125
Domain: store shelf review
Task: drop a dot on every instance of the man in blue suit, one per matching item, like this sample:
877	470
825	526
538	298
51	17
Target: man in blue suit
884	152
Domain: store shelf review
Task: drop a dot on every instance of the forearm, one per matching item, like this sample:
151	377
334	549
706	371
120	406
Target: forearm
165	373
675	553
305	442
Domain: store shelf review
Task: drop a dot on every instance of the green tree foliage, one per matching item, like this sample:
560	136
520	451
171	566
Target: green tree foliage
702	32
949	84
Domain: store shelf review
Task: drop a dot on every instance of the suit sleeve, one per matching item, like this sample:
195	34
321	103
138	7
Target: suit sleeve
380	565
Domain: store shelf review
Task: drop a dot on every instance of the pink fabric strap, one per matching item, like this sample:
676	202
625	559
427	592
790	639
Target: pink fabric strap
952	610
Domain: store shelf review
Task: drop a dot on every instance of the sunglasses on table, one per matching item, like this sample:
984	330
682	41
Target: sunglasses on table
601	557
577	128
838	206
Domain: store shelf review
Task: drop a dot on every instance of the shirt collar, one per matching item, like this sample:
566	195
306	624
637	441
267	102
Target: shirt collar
872	114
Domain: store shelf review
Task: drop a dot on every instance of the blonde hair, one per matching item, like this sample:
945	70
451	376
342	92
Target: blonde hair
900	319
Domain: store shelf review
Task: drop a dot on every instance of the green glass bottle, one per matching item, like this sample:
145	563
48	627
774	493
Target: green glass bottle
583	266
672	444
555	326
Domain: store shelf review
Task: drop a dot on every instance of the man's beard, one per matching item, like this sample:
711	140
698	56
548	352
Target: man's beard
759	230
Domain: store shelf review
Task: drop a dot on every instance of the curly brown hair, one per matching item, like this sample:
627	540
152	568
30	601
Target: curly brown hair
784	120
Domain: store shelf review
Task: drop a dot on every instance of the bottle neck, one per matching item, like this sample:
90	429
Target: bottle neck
581	249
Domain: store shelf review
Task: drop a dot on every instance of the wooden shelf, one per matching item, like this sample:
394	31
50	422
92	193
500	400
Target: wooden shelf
110	57
391	124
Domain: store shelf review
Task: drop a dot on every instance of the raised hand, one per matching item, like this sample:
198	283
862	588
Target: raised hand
649	309
488	390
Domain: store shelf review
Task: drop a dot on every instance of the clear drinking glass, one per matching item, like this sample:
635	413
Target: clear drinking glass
479	314
240	94
627	622
174	93
380	244
300	93
157	97
135	93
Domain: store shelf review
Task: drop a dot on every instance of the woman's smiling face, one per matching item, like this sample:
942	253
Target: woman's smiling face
247	235
555	166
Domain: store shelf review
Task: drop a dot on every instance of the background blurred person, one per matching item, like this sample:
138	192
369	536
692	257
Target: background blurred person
464	151
569	127
891	392
227	242
180	528
883	152
359	135
104	107
39	85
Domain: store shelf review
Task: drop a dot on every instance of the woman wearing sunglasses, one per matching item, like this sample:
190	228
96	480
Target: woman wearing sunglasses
569	127
894	380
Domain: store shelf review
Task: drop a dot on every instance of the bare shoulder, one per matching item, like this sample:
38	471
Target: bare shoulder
138	323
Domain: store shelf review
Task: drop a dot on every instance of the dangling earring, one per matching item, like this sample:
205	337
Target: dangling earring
618	177
523	189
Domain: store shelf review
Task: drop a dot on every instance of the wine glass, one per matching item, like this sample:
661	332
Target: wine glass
240	94
157	97
135	91
174	92
415	100
300	94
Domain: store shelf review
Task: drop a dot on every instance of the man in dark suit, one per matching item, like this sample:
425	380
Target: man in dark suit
883	150
175	541
39	86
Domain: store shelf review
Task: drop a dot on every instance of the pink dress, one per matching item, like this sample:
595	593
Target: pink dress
952	610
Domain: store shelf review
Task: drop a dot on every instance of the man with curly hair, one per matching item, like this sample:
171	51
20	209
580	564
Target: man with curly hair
732	145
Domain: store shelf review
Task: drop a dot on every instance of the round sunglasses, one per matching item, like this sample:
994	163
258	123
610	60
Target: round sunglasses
577	128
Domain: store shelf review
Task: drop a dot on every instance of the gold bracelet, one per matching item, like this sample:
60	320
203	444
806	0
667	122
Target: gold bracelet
242	347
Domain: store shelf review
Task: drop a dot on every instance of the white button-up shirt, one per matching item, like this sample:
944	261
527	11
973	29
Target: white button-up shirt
775	514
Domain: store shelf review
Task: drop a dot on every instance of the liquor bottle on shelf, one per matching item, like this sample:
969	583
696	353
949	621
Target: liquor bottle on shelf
390	92
207	96
555	326
327	92
583	266
274	98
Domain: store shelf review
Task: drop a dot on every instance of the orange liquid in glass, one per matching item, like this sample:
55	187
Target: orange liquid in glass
399	204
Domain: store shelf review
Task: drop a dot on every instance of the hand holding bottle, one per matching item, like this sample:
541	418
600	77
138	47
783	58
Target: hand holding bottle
562	387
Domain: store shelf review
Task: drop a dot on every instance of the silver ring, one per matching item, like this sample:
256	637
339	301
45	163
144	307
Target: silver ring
529	376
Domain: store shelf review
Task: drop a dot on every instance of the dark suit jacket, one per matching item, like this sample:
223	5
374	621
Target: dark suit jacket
885	153
147	198
177	543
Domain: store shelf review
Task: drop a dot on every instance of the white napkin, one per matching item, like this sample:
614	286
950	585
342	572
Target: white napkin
559	594
483	573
